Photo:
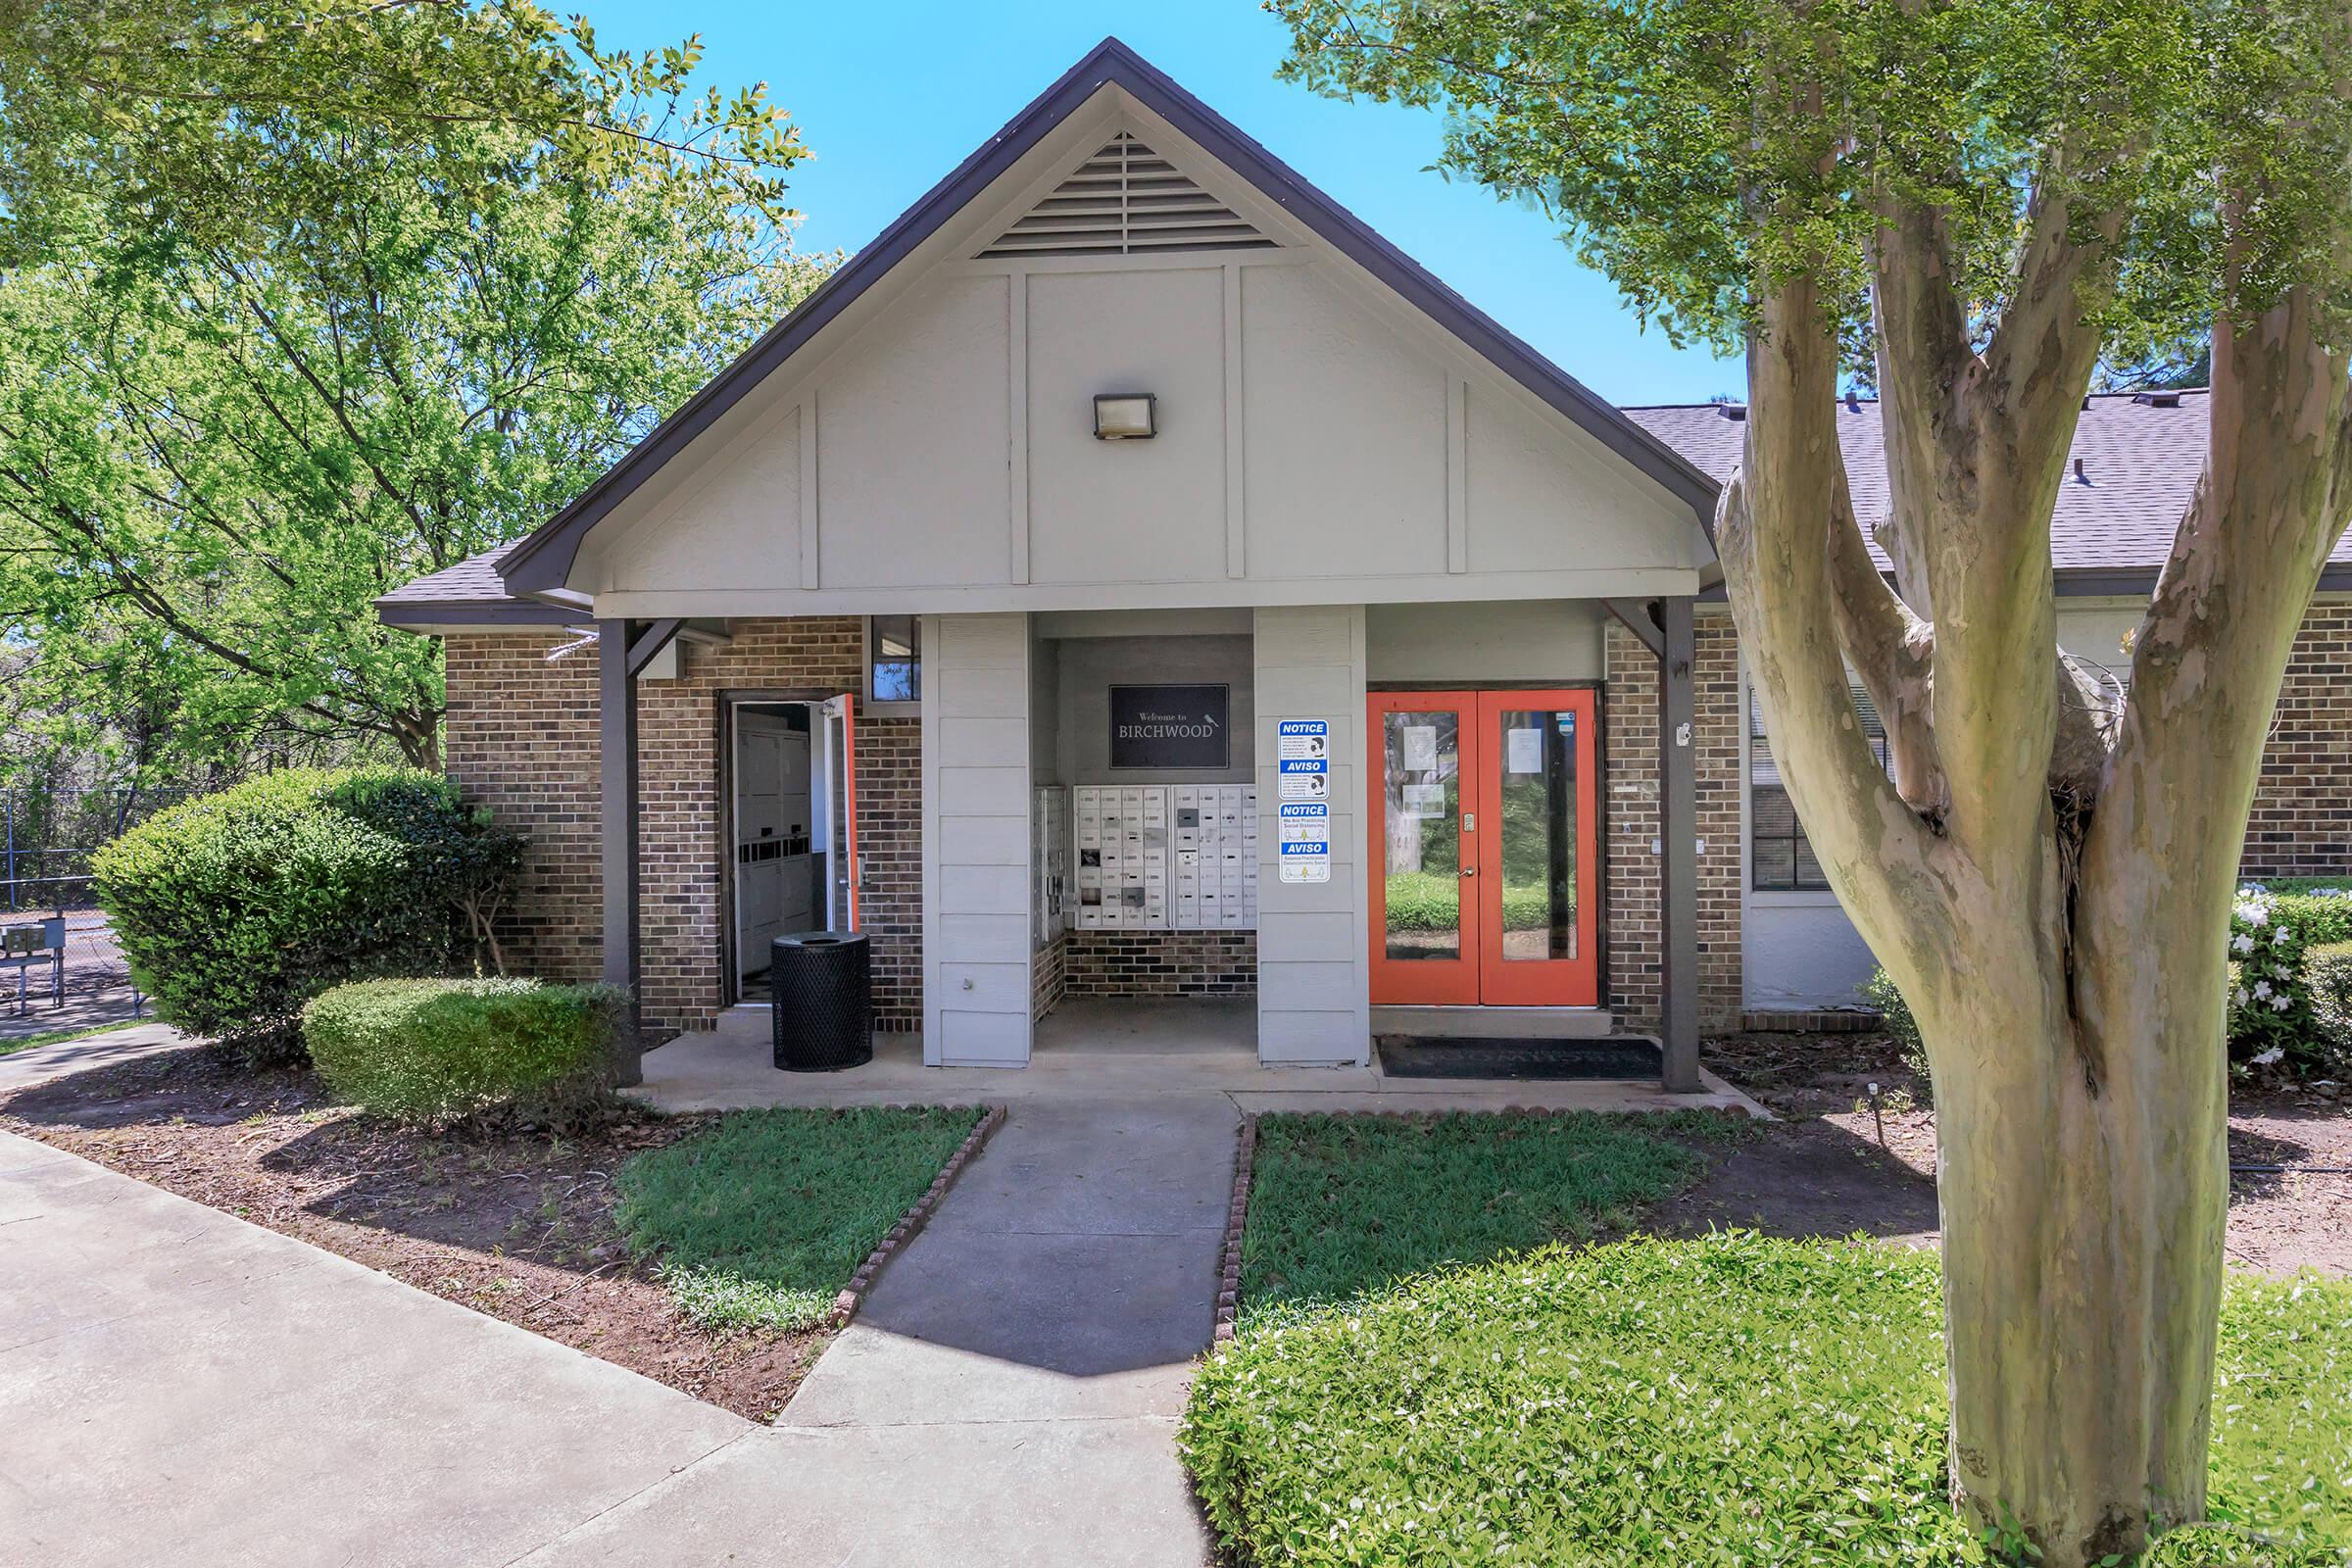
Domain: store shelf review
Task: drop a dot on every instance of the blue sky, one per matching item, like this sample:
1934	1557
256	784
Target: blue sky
892	97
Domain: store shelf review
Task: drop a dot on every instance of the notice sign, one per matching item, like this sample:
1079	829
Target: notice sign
1169	726
1303	763
1303	847
1304	851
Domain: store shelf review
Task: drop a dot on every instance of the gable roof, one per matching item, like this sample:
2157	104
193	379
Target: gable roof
543	561
468	593
2113	526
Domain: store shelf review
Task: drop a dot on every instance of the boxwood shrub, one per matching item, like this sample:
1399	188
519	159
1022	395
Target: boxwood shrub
441	1050
237	907
1727	1400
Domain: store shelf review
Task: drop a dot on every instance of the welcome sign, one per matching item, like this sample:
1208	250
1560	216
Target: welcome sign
1169	726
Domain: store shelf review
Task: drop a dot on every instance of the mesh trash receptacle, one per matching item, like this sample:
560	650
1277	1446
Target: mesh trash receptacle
821	987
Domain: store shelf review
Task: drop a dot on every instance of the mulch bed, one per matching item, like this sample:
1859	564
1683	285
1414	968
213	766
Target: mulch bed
1831	1168
520	1228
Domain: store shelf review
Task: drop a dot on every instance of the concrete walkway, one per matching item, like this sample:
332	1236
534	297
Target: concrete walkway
1009	1392
178	1385
38	1064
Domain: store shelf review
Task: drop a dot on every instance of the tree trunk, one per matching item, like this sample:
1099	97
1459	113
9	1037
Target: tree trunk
2082	1190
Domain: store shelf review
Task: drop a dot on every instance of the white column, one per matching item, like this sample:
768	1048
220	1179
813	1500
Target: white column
1315	968
976	906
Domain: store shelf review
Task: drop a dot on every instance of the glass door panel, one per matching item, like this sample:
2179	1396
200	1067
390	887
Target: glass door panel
1537	853
1424	926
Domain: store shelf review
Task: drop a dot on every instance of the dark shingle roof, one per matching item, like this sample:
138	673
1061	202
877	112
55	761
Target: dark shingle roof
468	592
2139	465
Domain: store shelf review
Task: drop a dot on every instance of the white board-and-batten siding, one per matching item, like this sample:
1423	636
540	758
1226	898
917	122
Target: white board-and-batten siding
1312	446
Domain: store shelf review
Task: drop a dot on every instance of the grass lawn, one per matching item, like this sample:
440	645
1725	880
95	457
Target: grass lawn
1339	1205
1727	1400
762	1219
54	1037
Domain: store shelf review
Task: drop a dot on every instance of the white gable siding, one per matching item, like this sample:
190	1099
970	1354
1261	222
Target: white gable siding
1321	441
1127	511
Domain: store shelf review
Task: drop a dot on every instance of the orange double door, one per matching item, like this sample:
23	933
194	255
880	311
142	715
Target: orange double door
1483	847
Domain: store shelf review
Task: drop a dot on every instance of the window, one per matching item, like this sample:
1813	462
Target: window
1780	859
894	662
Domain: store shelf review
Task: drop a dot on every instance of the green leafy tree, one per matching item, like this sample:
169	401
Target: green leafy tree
221	439
1972	202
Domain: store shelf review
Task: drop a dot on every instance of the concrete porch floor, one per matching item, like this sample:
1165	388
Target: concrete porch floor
1098	1049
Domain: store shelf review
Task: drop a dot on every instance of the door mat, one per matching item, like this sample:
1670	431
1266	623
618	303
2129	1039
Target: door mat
1438	1056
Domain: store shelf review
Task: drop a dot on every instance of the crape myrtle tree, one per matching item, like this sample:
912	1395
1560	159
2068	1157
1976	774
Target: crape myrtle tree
303	299
1967	204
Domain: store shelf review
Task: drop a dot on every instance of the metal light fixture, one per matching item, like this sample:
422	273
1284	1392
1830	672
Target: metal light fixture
1125	416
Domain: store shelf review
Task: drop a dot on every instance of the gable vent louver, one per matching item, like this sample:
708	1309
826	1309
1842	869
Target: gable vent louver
1127	200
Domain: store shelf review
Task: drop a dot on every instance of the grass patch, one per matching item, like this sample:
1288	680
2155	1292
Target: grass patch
58	1037
1341	1205
760	1221
1734	1399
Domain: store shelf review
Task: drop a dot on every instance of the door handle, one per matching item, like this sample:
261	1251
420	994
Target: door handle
1469	870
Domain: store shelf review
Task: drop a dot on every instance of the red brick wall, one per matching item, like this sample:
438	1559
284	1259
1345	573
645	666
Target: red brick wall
1630	777
2302	821
522	736
521	739
1160	963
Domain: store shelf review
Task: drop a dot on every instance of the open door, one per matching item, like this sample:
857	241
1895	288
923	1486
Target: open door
841	788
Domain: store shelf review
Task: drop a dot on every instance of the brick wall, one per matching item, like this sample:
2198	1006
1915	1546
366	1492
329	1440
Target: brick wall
1160	963
1048	976
522	737
1630	775
2302	821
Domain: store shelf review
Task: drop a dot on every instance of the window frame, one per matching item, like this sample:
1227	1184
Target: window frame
1796	889
887	707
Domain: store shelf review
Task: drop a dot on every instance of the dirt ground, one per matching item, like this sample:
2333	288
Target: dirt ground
518	1228
1832	1168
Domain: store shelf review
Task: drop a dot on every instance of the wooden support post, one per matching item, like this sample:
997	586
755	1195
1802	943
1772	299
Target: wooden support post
1677	842
617	722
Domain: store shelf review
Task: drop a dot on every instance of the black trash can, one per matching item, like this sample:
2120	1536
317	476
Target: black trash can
821	987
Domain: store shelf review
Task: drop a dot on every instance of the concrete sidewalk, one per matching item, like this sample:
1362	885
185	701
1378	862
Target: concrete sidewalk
178	1385
1009	1392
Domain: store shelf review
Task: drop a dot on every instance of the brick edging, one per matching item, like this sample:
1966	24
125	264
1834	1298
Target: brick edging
845	1305
1237	1216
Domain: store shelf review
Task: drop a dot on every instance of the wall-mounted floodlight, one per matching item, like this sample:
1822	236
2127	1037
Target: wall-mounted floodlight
1125	417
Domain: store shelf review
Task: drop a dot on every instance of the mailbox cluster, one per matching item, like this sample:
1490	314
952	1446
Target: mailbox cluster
1166	856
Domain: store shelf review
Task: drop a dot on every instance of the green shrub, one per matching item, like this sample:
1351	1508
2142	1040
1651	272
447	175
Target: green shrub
2328	976
438	1049
237	907
1732	1399
1881	992
760	1221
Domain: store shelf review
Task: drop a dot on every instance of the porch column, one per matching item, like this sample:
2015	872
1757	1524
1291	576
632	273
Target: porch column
616	742
1677	842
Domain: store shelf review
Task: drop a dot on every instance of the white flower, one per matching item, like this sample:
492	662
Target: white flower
2243	943
2270	1058
2279	971
2280	1003
2283	934
2262	990
2240	995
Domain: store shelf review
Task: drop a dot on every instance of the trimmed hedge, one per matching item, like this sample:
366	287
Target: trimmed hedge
2272	1023
237	907
435	1050
2328	976
1732	1399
